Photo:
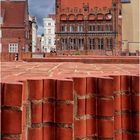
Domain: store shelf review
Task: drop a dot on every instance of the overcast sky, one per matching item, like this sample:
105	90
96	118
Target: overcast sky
40	9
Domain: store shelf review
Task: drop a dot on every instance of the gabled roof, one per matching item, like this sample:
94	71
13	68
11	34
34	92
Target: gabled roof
13	13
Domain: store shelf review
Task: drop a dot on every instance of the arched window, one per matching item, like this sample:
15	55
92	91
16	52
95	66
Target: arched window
100	17
80	17
71	17
63	17
108	16
91	17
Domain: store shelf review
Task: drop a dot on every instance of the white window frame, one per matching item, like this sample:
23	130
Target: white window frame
49	41
13	48
71	28
49	31
49	24
80	28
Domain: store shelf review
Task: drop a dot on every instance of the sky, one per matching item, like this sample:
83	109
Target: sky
40	9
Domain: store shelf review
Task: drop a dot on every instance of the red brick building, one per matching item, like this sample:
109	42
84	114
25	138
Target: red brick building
88	25
15	26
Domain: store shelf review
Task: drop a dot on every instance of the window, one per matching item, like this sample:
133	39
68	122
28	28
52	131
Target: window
102	28
49	31
108	27
63	28
92	44
49	24
100	44
111	43
49	41
99	28
45	31
13	48
45	49
80	28
62	43
91	28
27	35
71	28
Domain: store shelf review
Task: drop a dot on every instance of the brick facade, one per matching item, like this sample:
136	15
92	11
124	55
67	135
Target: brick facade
71	109
15	26
88	25
70	101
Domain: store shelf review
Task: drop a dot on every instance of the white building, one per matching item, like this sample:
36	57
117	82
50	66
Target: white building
49	33
33	23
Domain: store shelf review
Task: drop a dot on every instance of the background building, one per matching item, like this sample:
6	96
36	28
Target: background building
130	25
15	26
88	25
40	43
49	33
33	32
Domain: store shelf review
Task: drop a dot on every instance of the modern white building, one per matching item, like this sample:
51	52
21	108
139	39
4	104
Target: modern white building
34	27
49	33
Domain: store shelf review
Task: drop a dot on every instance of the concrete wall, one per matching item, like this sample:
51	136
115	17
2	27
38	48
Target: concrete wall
130	25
